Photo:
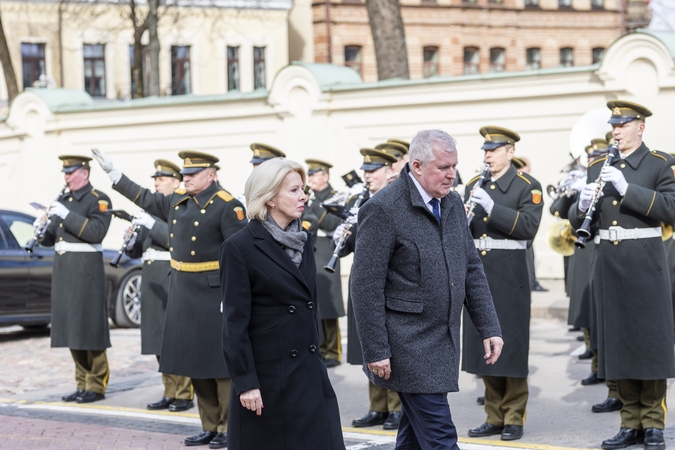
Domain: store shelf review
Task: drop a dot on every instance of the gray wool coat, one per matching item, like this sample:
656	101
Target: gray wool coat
410	279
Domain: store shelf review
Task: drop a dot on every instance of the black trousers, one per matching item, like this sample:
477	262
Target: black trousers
426	423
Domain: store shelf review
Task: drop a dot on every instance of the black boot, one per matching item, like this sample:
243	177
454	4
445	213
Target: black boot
626	437
654	438
486	429
609	405
371	419
593	378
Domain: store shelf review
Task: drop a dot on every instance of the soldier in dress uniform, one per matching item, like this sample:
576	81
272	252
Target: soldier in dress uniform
79	310
152	244
507	214
634	308
398	151
328	285
406	144
200	220
385	404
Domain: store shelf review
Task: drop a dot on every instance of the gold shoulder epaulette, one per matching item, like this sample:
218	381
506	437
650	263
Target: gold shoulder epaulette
94	193
225	196
658	155
523	177
473	179
597	161
180	191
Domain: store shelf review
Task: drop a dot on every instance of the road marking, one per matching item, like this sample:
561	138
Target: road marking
111	411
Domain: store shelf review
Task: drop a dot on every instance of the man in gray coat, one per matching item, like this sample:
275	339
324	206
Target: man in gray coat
415	266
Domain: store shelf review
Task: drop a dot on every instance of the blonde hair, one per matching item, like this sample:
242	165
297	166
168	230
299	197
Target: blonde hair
264	183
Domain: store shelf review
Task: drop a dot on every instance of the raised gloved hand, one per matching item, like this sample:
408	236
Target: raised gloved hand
615	176
586	196
145	220
59	209
107	165
483	199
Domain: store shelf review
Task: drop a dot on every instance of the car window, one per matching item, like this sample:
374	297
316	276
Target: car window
3	241
20	227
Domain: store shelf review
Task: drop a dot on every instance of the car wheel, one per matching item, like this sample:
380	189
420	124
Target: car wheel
128	303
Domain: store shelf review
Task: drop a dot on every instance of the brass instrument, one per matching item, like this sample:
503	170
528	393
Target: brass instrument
330	267
574	171
131	233
39	232
584	232
560	237
471	203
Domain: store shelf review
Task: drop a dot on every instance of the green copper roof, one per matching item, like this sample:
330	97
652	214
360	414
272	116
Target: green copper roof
330	75
666	37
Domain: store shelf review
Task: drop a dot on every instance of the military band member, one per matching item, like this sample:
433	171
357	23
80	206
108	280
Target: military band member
398	151
385	404
199	221
631	289
328	285
79	309
507	214
406	144
152	244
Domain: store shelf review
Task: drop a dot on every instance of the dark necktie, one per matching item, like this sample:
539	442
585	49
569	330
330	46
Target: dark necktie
436	208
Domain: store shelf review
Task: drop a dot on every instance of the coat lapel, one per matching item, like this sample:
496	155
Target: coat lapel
415	197
266	243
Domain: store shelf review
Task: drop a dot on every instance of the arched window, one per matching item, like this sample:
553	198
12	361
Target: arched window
497	59
471	60
430	56
533	58
566	57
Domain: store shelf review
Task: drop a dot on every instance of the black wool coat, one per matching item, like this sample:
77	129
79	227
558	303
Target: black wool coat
271	343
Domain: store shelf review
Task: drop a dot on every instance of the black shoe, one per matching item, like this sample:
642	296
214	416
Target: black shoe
480	400
72	397
485	430
586	355
609	405
512	432
164	403
89	397
393	420
371	419
538	287
220	441
593	378
181	405
654	438
202	438
626	437
580	338
330	363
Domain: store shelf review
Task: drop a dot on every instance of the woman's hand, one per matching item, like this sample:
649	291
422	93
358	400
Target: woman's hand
252	400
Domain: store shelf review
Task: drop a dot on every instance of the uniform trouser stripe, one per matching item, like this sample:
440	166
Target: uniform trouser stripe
91	370
213	401
644	403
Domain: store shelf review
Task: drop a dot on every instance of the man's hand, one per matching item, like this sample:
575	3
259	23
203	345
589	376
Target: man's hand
483	199
493	348
587	195
107	165
145	220
615	176
252	400
381	368
59	209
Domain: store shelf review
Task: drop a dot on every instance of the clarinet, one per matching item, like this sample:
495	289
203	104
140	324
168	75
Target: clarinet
585	231
39	232
132	232
470	203
330	267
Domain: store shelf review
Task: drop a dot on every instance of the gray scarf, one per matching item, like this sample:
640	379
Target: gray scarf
292	239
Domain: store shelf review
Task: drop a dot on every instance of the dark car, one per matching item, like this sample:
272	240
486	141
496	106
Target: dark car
26	279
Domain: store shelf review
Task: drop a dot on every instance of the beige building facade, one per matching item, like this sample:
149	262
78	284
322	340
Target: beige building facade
467	37
204	50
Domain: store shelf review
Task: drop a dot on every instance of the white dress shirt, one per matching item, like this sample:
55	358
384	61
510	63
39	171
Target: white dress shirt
425	195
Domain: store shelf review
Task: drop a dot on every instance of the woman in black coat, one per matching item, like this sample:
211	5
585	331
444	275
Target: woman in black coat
281	396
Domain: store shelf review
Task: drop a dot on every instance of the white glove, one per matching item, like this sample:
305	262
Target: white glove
586	196
132	241
356	189
59	209
354	215
339	231
483	199
579	184
145	220
39	222
615	176
107	165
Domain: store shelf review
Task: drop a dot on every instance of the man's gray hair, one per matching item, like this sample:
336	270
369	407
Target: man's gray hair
422	145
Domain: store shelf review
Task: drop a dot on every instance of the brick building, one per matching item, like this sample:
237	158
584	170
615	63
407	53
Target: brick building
463	37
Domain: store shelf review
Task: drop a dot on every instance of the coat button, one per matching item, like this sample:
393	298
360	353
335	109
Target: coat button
615	203
312	348
60	225
176	207
203	211
294	353
291	309
484	235
492	186
623	166
485	219
70	199
310	305
170	249
194	238
483	253
196	223
614	222
174	221
192	253
60	239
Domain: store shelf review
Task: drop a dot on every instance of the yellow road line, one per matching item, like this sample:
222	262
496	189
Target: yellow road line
121	409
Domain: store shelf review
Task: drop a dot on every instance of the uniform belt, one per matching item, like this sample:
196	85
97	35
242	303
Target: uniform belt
64	247
205	266
321	233
596	239
487	243
156	255
622	234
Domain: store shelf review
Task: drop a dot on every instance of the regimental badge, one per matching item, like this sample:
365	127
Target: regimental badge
306	224
536	196
158	168
349	176
488	137
239	211
616	111
187	161
103	205
256	153
366	159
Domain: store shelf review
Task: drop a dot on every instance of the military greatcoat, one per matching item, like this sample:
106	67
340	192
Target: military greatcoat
198	225
79	308
328	285
631	284
515	215
155	285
